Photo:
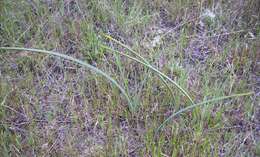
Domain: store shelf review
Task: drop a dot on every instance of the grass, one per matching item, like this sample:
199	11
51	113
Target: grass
204	101
74	60
199	104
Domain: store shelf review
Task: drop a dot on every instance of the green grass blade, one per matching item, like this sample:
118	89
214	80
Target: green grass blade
200	104
142	58
125	46
153	69
96	70
3	101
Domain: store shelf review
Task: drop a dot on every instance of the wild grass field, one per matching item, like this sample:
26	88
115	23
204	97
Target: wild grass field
130	78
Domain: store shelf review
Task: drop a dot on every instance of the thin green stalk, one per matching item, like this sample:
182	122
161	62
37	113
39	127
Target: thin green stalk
154	69
3	101
96	70
200	104
142	58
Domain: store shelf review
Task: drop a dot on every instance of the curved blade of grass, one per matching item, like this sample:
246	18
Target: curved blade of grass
142	58
96	70
160	74
152	68
200	104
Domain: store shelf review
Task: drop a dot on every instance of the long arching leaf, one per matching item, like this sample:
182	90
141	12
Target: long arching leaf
96	70
153	69
200	104
147	64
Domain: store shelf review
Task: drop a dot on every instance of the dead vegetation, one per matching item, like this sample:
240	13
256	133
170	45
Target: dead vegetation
52	107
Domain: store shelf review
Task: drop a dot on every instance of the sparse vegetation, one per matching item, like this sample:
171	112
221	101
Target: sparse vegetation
152	78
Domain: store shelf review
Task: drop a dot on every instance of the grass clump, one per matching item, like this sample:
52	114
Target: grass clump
203	52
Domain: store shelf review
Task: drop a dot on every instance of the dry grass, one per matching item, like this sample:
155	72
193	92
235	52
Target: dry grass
52	107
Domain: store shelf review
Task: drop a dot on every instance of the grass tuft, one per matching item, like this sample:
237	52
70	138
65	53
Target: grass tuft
174	64
148	65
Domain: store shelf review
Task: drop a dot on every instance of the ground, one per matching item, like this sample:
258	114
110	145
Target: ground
50	106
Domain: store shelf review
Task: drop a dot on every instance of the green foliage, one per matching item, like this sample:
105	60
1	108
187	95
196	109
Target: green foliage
177	64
